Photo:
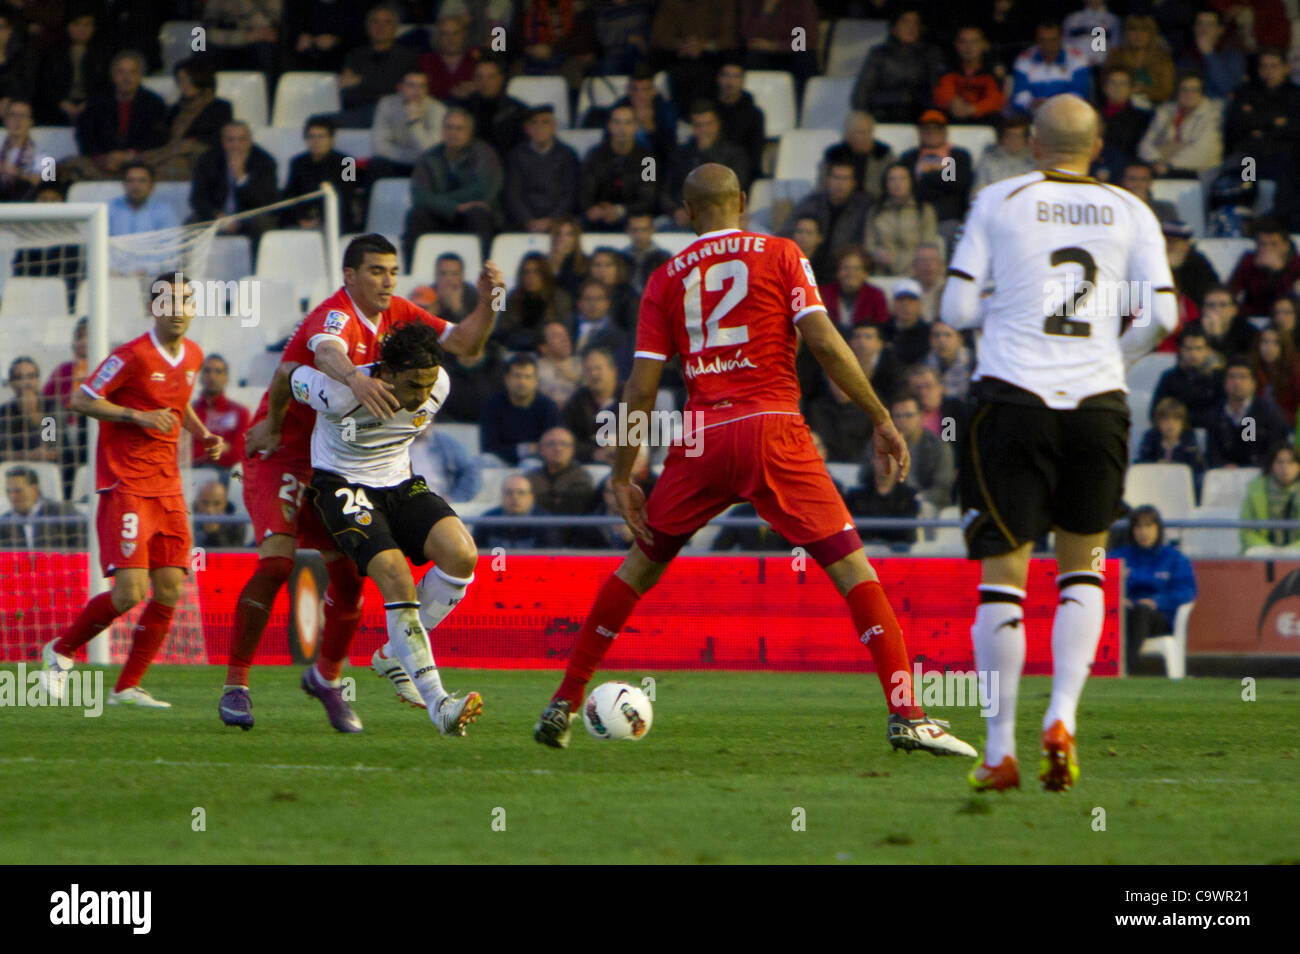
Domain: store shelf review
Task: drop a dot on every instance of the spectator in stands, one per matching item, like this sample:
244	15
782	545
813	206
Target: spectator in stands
1286	313
1263	119
766	30
844	427
212	500
118	124
885	495
971	92
622	30
705	145
898	223
1254	24
878	361
616	536
1137	179
905	331
234	177
138	210
558	368
24	526
1009	156
407	124
870	156
374	69
850	299
446	466
610	268
1245	424
1158	580
807	234
309	170
599	392
64	381
515	417
243	36
1277	371
1273	495
541	176
691	40
29	423
840	210
1048	68
560	484
1172	440
612	185
941	171
517	500
1227	331
221	415
1144	54
941	413
1269	271
568	262
1220	64
596	327
473	382
1079	30
319	32
194	122
535	300
498	118
70	70
934	471
742	121
1183	139
17	70
1195	381
898	77
455	185
1193	273
927	269
642	253
951	358
1123	125
656	116
557	37
450	65
20	159
449	297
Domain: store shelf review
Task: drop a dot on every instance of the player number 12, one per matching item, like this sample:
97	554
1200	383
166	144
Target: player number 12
701	334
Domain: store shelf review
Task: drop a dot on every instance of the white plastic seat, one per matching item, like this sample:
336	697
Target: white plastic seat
600	92
973	139
1172	648
464	434
581	141
127	297
175	194
83	483
1220	542
230	259
773	92
1224	253
389	201
1167	487
674	242
432	244
356	143
283	145
301	95
57	142
799	154
597	472
176	41
1226	486
1139	412
509	248
550	91
164	84
850	42
34	296
900	137
294	254
95	191
846	474
1145	374
246	91
827	102
1187	196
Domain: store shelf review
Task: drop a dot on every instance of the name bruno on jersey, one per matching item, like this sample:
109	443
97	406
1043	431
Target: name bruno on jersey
1073	213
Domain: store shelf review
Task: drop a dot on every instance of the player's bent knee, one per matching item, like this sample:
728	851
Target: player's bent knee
393	577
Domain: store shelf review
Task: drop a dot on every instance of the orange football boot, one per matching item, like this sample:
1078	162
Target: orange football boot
1059	768
999	778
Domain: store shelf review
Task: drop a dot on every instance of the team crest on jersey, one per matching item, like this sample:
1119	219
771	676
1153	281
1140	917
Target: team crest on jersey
335	321
421	418
110	368
189	377
301	390
808	270
127	549
363	518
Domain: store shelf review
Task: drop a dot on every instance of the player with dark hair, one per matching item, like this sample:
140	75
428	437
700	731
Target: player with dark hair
140	393
338	336
379	514
733	304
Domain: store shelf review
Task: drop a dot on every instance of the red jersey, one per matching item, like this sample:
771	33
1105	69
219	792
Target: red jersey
142	376
728	304
225	417
336	317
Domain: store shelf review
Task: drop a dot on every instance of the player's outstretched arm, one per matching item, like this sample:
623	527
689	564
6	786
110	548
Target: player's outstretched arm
264	436
639	395
468	337
841	366
100	409
214	444
374	395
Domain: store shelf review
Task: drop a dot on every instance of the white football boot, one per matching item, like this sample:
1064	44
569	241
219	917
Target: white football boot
138	697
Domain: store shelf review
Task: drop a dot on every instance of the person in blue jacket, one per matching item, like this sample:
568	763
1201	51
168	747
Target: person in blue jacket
1160	580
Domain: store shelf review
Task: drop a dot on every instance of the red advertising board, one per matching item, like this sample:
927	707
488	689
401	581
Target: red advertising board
1246	607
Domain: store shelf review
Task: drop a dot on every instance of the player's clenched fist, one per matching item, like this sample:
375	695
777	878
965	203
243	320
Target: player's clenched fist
160	420
214	445
489	279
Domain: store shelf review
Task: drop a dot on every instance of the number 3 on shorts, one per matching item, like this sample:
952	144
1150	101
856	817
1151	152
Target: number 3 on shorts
130	525
354	502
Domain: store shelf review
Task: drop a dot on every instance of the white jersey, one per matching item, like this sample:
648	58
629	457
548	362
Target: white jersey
1068	258
350	441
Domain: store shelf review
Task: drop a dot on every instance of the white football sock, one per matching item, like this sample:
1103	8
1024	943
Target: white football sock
439	594
999	638
1076	630
411	644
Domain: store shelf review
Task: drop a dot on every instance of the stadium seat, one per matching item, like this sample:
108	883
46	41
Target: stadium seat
432	244
175	41
543	91
509	248
301	95
1226	486
247	396
489	495
850	42
1172	648
674	242
279	310
597	472
389	200
973	139
255	370
773	92
56	141
600	92
799	154
283	145
1139	412
846	474
948	541
759	207
102	192
293	253
1187	197
1167	487
175	194
899	136
246	91
466	435
83	483
826	102
230	259
164	84
34	296
127	297
886	284
1224	253
581	141
1145	374
356	143
1212	541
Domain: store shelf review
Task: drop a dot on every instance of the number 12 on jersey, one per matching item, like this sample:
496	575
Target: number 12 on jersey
703	334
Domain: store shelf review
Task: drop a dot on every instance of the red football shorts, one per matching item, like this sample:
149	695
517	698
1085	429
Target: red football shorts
768	460
274	497
142	532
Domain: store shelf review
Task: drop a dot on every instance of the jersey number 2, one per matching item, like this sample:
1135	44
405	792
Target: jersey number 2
1070	326
354	501
703	334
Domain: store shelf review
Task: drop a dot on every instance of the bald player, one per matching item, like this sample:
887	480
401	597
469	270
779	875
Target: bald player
1069	258
733	305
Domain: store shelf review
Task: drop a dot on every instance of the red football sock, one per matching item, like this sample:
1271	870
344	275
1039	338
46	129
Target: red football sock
877	626
342	616
614	604
146	639
90	622
252	612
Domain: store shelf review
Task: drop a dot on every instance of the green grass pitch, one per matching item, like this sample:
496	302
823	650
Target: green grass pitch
1185	773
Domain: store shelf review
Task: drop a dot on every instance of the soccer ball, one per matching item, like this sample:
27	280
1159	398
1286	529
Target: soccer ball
617	710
